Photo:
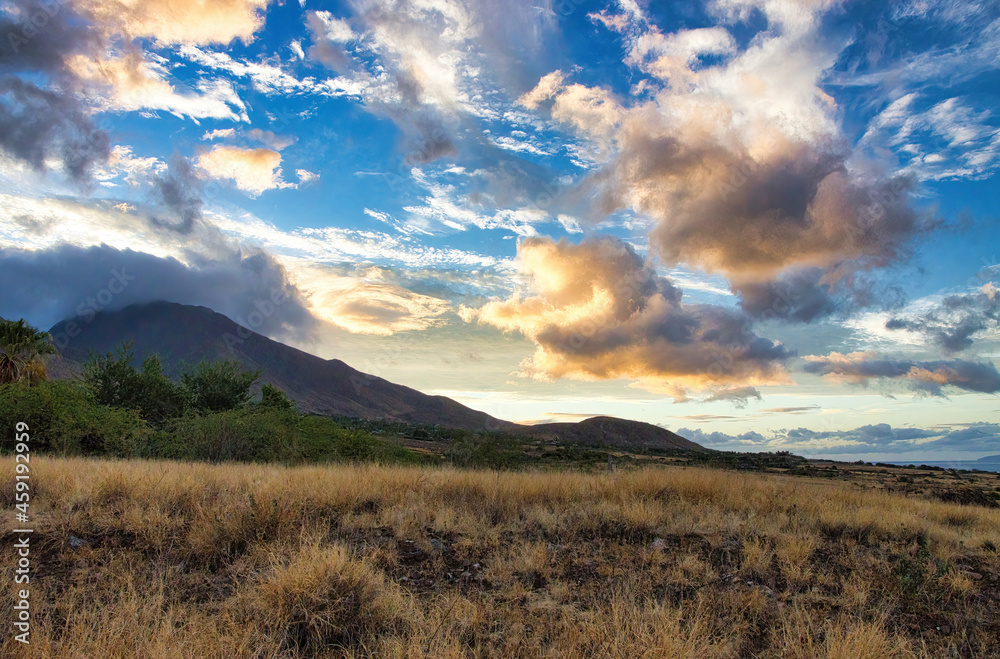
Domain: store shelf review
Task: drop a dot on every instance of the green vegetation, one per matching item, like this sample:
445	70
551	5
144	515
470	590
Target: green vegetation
22	348
120	411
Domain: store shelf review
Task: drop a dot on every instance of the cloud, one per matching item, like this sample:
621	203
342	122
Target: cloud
131	83
924	376
41	124
937	139
367	304
177	21
881	438
218	133
305	176
739	156
276	142
252	170
957	320
425	65
597	311
46	286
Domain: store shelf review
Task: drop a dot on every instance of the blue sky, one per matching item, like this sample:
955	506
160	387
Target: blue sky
771	224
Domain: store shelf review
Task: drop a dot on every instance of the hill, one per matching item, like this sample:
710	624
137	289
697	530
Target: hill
611	431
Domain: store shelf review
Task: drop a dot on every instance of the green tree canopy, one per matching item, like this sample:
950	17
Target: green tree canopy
113	381
21	350
218	386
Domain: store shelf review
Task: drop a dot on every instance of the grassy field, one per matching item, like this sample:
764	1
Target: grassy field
171	559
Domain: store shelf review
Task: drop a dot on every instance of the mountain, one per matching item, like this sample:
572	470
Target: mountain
181	333
612	431
187	334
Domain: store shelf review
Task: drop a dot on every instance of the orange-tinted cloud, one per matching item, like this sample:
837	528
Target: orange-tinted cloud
177	21
597	311
253	170
742	163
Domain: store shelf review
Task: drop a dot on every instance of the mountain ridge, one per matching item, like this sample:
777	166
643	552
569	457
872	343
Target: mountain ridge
185	334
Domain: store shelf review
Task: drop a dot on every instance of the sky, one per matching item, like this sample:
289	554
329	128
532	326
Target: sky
764	224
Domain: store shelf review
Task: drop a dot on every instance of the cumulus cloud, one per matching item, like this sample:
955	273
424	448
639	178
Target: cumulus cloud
597	311
930	377
252	170
61	61
739	156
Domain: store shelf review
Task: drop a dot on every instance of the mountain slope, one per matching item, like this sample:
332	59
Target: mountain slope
187	334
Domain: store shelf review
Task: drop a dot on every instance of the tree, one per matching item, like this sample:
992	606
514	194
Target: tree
274	398
219	386
115	382
23	347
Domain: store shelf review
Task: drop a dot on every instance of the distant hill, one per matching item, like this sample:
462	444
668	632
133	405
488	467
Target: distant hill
612	431
182	333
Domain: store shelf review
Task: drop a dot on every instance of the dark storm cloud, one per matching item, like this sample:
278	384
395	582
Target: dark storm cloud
50	285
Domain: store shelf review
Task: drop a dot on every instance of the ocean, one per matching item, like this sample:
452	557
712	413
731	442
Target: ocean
981	465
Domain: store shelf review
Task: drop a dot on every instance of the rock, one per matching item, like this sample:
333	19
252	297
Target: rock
437	544
76	543
659	544
974	575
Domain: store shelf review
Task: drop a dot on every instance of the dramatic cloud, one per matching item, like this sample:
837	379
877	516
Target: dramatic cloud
955	323
928	377
39	123
252	170
49	285
424	64
83	52
367	303
597	311
973	439
741	162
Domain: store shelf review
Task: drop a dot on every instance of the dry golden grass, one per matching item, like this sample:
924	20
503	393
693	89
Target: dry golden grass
196	560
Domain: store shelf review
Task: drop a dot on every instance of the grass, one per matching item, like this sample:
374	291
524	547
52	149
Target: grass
177	559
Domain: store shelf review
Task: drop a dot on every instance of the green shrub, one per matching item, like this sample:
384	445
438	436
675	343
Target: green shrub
247	435
324	439
486	450
62	418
